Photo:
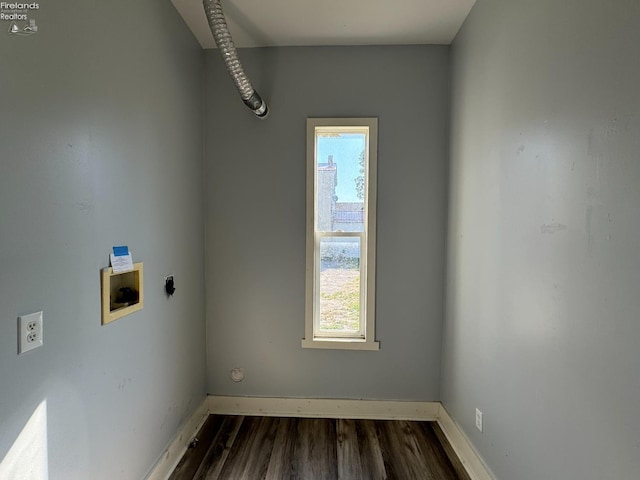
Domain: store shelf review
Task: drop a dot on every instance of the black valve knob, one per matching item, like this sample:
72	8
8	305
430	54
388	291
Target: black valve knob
169	286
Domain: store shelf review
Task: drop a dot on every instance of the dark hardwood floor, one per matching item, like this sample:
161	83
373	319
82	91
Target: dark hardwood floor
273	448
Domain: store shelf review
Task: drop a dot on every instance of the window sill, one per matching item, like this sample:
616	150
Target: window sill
340	344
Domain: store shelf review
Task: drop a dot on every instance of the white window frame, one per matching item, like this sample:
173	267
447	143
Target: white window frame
365	339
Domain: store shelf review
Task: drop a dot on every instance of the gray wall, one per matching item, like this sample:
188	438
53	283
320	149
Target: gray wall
100	145
542	306
255	220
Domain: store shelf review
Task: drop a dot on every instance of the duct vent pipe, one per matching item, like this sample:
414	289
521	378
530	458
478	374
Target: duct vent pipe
220	31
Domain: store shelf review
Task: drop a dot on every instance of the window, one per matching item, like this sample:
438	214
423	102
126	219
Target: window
341	226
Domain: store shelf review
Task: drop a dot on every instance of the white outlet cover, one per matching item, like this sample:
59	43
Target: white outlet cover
478	419
29	332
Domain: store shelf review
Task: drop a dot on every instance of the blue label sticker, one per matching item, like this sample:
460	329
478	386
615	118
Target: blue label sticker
121	251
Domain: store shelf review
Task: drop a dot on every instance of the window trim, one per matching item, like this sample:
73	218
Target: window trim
367	342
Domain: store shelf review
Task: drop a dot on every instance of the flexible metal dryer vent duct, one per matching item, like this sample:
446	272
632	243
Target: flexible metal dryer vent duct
220	31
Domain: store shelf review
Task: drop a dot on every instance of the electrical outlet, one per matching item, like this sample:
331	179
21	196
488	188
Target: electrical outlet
478	419
29	332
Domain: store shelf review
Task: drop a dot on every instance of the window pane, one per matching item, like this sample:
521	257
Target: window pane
339	296
341	181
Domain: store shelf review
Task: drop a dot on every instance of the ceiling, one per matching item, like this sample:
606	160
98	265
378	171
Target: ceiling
259	23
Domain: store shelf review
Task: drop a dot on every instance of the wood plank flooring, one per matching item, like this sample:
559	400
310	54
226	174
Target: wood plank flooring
274	448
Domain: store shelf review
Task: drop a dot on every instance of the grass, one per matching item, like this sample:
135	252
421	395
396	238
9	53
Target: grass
340	300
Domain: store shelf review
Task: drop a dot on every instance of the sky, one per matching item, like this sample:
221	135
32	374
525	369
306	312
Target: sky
346	150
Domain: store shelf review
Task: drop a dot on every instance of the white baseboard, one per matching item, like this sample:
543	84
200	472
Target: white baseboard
470	459
323	408
177	448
